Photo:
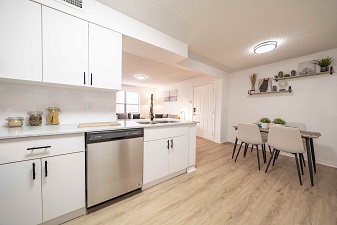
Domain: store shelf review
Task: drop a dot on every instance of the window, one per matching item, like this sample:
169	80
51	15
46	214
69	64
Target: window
127	102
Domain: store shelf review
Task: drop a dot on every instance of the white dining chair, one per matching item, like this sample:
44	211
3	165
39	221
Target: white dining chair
288	140
250	134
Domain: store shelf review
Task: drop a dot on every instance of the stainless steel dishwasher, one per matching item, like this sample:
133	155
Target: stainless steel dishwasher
114	164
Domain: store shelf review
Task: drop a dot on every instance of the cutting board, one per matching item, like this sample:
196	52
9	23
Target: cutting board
98	124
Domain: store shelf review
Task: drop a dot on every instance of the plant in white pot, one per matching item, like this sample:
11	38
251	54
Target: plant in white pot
265	122
324	63
279	121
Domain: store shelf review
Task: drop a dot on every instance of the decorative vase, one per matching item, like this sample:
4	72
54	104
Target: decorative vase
264	125
325	69
252	88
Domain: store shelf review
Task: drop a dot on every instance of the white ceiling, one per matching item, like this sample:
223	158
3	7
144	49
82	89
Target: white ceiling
223	33
159	73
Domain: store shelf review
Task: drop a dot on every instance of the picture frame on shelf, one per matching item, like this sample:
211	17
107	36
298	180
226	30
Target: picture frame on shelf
264	84
306	68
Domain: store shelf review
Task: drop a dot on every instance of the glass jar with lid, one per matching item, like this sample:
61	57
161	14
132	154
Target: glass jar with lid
14	121
53	115
35	118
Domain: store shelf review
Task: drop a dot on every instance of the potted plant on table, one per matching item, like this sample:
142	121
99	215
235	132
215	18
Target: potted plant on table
279	121
252	82
265	122
324	63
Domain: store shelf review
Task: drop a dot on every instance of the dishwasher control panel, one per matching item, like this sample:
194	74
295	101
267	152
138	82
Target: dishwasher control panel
113	135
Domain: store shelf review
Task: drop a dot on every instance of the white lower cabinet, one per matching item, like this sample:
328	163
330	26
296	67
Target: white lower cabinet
165	156
20	193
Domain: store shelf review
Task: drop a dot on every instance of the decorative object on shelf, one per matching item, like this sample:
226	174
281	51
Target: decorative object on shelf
274	88
289	88
265	122
279	121
280	74
252	82
293	73
270	92
286	75
324	63
283	84
171	96
306	68
264	84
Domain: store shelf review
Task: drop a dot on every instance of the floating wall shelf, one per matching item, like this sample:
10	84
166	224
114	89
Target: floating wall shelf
270	92
306	75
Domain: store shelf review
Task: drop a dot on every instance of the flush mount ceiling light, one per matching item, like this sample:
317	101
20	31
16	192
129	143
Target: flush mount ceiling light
265	47
141	76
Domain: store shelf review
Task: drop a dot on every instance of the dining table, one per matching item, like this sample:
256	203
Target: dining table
308	136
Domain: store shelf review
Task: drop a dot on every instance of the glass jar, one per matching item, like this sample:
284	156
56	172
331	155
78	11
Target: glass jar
14	121
35	118
53	115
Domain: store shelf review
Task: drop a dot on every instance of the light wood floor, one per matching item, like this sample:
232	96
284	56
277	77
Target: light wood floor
222	191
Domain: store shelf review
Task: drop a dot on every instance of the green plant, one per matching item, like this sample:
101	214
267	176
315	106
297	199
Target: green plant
265	120
324	62
279	121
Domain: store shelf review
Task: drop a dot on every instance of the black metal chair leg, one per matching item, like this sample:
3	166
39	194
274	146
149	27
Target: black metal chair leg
275	157
302	157
313	154
301	163
264	153
298	170
251	150
271	157
278	152
238	152
270	149
258	158
246	148
236	142
309	162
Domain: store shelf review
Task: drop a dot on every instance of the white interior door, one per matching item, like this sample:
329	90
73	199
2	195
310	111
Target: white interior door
203	110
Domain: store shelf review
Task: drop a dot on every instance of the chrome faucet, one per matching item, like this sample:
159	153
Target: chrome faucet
151	108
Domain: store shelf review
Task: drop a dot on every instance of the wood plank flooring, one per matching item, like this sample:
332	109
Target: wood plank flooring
222	191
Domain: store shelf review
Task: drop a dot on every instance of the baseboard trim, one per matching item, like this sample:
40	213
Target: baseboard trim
191	169
65	217
160	180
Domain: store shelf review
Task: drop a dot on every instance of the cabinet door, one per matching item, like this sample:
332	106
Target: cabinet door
63	187
105	58
20	193
20	40
65	48
178	156
155	160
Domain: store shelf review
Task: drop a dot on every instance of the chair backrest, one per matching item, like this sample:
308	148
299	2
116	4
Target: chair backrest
249	133
300	126
285	139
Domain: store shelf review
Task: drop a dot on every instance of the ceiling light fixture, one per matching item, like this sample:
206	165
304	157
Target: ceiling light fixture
265	47
141	76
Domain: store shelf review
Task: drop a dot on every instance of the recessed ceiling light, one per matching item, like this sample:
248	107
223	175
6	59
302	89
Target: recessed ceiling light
141	76
265	47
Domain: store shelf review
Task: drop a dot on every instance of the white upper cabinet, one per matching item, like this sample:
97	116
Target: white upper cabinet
105	58
65	48
20	40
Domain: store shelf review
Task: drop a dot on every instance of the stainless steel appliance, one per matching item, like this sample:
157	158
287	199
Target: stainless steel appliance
114	164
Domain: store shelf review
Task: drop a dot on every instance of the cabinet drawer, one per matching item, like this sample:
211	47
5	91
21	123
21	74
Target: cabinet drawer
164	132
18	149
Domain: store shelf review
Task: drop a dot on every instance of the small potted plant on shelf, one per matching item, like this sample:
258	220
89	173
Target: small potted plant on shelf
265	122
279	121
252	82
324	63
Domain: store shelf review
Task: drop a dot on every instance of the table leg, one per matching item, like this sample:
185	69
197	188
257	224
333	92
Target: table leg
313	154
309	161
236	142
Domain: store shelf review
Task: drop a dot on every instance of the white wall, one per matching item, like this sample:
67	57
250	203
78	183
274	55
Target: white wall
312	102
76	105
145	95
185	101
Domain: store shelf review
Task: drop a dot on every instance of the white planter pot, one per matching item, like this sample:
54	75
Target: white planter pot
264	125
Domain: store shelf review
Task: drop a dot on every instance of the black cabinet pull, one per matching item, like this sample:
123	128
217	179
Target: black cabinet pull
33	171
168	144
84	77
171	143
91	79
46	168
34	148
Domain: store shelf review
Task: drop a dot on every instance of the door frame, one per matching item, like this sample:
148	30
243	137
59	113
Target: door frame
213	115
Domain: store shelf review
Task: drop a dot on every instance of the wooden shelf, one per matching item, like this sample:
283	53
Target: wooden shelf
306	75
270	92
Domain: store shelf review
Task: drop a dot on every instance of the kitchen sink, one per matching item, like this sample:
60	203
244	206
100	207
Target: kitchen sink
158	121
147	122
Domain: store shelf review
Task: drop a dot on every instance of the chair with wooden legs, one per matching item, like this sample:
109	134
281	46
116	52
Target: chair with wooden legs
249	134
288	140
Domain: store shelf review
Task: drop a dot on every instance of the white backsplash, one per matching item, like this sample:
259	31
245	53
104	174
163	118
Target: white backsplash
76	105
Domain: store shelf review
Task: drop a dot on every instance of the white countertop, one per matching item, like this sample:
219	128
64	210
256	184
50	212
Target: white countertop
33	131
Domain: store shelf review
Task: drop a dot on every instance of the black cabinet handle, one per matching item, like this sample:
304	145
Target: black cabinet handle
168	144
34	148
84	77
33	171
46	168
171	143
91	79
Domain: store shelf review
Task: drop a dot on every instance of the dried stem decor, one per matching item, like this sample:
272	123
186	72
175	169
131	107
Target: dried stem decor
252	82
